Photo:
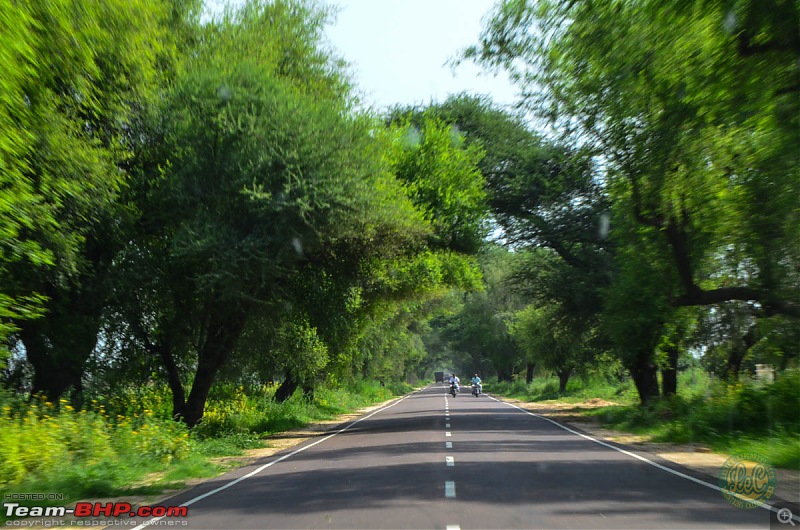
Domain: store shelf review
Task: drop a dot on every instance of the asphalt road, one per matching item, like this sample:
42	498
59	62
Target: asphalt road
431	461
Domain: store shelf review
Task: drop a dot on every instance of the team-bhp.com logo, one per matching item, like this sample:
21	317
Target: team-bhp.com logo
94	509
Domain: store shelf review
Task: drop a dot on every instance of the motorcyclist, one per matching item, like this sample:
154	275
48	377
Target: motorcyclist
476	381
454	381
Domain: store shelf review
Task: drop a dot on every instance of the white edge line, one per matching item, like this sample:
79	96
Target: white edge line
273	462
763	505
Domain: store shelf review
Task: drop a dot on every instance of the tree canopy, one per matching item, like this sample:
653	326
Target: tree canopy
689	111
190	199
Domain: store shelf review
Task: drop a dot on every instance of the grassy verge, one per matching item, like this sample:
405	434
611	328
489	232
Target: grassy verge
127	445
546	389
745	417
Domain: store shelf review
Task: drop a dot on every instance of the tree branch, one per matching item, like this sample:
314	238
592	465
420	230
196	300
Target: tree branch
788	89
654	221
694	295
746	47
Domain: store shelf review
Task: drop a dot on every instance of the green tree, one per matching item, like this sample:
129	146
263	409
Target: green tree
692	109
478	333
74	76
547	343
442	176
262	182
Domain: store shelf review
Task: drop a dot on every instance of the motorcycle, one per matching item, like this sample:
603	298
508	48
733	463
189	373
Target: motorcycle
453	389
476	390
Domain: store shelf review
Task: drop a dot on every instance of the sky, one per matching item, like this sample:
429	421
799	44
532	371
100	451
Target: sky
398	49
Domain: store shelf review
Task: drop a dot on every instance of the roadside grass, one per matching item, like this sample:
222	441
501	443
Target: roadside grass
126	444
578	390
728	418
236	410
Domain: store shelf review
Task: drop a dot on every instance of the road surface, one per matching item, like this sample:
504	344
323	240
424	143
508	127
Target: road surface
431	461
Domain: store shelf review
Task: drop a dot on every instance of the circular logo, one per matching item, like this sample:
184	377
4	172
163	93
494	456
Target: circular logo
747	480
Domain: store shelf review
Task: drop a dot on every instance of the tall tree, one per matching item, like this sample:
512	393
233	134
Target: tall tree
692	109
76	77
545	198
262	171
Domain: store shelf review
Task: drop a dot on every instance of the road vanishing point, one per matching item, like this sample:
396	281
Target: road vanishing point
428	460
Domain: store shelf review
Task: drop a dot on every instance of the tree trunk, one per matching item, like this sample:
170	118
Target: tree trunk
287	388
645	377
174	381
504	375
529	373
669	374
738	352
192	411
220	340
58	346
563	379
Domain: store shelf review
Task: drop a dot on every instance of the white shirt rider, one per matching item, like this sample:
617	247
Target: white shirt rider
454	380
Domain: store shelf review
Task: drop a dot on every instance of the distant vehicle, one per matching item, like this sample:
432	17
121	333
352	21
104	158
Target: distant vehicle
439	376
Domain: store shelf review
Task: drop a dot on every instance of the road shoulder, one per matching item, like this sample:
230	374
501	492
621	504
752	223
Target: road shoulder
698	458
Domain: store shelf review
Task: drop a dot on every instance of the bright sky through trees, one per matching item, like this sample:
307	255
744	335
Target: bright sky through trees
398	49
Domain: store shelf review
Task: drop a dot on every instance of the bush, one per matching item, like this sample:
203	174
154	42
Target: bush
42	439
116	440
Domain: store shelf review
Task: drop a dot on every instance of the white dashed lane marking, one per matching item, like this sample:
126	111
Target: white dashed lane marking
449	489
449	461
448	445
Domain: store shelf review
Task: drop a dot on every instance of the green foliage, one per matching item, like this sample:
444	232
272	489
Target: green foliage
267	200
299	350
545	388
729	418
134	401
734	417
442	178
547	342
286	38
42	439
73	74
214	195
685	104
244	411
478	331
99	452
636	303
